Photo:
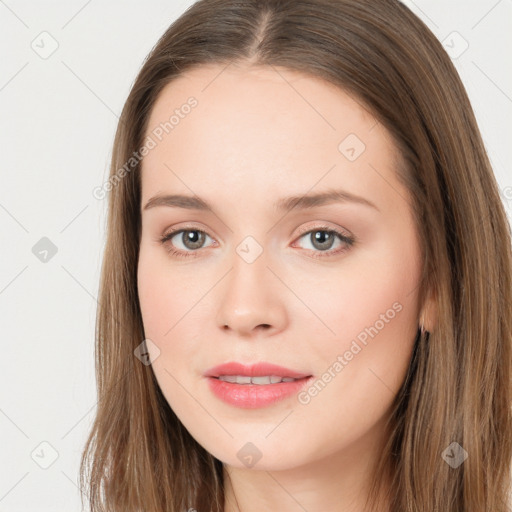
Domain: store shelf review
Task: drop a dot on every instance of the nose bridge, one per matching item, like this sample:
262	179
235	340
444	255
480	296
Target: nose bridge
249	266
249	281
250	296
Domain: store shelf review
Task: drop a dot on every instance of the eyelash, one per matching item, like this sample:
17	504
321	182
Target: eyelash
348	240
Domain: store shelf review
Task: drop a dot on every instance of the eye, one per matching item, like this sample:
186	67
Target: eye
190	240
322	239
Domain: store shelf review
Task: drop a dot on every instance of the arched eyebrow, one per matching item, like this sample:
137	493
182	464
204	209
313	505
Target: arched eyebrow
320	199
302	202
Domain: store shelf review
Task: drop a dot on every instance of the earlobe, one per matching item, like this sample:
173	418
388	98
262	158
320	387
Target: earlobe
429	313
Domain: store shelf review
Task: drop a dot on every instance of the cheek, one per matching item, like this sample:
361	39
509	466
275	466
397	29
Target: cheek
362	366
166	305
368	313
154	298
362	290
173	311
163	295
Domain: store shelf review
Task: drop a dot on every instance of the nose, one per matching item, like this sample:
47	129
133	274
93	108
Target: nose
251	299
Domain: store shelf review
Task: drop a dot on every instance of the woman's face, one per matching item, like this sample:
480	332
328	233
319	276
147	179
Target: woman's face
253	280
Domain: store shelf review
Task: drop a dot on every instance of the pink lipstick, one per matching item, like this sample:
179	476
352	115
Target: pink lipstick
256	385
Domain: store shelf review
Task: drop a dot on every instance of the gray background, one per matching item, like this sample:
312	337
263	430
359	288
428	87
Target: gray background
58	116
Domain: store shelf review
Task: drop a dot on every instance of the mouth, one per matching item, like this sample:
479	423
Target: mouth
260	373
259	381
255	386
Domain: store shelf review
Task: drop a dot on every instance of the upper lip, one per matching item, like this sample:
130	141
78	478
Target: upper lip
253	370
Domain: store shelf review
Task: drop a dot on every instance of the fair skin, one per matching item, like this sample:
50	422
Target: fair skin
259	134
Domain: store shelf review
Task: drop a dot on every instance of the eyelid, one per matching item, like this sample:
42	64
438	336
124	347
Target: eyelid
187	227
302	230
324	226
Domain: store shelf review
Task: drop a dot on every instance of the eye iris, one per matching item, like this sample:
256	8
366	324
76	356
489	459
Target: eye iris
322	239
192	239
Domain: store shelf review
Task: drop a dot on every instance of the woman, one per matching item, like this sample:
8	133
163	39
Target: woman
306	288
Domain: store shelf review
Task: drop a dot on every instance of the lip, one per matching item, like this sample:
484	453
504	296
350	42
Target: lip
254	370
254	396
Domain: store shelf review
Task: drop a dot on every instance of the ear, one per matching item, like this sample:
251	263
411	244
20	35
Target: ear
429	312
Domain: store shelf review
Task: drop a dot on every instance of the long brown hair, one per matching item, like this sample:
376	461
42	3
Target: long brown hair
139	456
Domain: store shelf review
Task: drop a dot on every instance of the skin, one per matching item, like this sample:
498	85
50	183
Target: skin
259	134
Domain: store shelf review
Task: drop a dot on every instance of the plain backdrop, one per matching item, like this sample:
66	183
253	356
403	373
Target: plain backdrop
65	71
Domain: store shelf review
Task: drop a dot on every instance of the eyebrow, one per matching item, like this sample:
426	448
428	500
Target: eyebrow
300	202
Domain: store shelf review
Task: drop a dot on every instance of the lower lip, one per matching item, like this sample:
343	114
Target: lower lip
253	396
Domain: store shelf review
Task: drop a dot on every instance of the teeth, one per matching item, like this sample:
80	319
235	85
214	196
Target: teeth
260	380
244	379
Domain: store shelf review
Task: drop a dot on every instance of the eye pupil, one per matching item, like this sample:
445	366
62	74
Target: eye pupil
322	239
193	239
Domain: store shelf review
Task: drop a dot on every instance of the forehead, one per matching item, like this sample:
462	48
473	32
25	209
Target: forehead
262	127
280	92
